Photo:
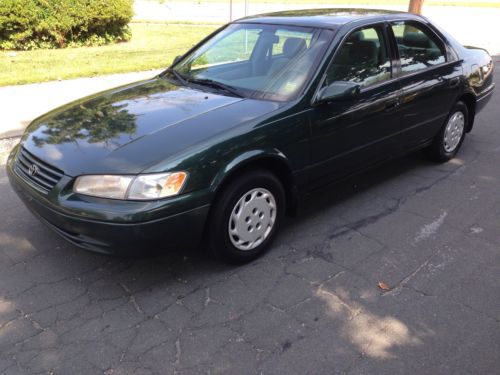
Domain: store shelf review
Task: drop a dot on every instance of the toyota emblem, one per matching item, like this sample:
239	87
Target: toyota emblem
33	169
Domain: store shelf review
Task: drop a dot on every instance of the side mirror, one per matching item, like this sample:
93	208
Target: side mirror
338	90
176	60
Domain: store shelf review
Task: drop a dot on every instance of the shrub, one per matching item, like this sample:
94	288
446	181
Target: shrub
30	24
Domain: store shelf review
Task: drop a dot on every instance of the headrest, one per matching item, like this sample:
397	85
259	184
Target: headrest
293	46
363	50
356	36
416	40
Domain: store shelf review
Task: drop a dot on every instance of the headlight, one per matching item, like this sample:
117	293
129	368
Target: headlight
154	186
141	187
103	186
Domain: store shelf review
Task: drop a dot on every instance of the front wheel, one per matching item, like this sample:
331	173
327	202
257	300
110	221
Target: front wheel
451	136
245	217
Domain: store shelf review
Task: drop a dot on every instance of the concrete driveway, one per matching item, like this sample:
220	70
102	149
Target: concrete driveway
310	306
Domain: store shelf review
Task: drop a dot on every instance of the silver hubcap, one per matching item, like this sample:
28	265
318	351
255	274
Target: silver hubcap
252	219
453	132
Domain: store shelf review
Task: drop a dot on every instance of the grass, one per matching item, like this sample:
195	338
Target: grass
153	46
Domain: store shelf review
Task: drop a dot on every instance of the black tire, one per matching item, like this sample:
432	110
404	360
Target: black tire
219	240
437	151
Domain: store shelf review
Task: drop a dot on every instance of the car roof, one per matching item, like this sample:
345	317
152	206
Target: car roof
330	18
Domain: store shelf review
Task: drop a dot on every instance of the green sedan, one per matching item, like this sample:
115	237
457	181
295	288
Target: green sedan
225	142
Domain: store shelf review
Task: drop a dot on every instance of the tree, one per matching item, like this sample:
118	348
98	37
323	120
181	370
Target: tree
415	6
100	122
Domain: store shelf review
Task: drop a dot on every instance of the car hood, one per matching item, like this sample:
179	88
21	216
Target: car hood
130	128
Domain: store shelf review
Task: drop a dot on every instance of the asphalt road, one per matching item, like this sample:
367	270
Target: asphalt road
310	306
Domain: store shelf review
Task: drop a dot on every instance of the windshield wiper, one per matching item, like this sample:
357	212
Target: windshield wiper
216	84
177	76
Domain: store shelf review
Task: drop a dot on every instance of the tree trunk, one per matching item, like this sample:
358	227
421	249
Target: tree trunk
415	6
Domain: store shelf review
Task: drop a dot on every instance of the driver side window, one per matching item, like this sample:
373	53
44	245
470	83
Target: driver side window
362	59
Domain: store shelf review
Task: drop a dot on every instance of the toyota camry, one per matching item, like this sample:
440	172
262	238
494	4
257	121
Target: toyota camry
228	139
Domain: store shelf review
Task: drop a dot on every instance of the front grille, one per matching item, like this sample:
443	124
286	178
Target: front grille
37	173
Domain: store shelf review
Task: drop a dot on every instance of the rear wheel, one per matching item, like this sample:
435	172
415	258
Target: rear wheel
451	136
245	217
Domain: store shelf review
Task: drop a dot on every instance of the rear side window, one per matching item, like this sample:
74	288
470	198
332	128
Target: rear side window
362	59
418	47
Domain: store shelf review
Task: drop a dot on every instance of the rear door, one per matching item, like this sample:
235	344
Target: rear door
430	81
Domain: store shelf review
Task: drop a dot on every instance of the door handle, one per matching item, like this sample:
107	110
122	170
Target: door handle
454	82
391	104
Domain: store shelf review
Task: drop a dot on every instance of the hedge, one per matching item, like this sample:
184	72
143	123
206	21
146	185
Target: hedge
31	24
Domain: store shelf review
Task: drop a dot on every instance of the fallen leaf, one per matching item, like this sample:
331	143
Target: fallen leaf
383	286
232	315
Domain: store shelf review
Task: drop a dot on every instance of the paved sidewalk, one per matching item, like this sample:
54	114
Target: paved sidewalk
23	103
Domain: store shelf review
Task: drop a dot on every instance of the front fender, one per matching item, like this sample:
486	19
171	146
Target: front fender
245	159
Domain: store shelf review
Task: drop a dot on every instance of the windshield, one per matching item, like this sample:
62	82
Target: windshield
254	60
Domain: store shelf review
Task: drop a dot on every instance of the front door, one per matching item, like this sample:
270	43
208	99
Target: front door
348	135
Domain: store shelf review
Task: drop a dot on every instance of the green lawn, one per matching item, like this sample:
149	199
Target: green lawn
153	45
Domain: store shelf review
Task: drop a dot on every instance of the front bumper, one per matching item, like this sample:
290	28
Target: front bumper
118	232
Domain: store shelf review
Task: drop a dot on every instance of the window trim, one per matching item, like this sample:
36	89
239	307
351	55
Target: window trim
399	73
